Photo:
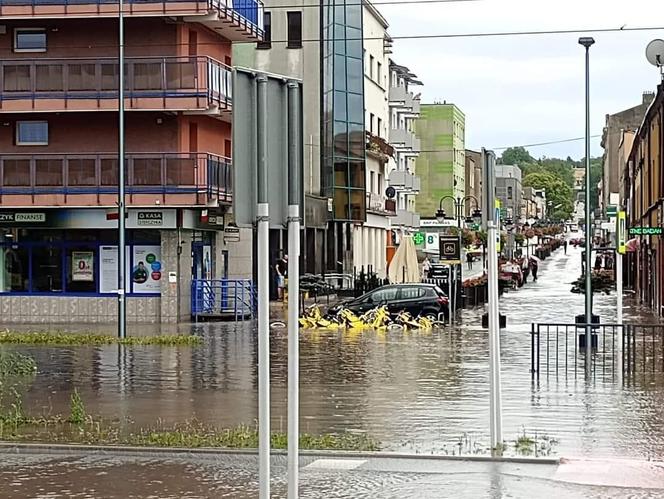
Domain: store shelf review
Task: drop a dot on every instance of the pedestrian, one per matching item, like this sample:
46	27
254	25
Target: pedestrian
534	267
598	261
426	268
565	245
469	259
282	271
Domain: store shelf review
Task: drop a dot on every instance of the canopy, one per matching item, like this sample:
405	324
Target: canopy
404	266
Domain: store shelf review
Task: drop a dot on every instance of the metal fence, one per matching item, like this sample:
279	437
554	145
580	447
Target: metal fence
559	349
223	299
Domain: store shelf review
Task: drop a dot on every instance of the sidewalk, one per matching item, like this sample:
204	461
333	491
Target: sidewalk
129	472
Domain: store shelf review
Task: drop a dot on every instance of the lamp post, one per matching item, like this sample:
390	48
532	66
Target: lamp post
587	42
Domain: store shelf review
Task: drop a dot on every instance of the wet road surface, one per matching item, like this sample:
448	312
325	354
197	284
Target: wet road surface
418	392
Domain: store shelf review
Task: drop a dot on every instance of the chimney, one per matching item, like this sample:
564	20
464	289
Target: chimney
648	97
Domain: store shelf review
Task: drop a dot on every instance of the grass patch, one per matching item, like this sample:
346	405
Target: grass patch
87	339
76	408
16	364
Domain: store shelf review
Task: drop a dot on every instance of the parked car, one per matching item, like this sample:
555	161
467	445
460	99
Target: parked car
417	299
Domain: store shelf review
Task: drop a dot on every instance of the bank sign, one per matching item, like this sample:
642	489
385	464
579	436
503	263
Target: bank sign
645	231
22	218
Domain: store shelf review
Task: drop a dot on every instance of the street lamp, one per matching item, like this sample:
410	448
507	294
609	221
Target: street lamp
587	42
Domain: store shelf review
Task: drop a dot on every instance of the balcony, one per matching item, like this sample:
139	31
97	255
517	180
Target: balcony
188	84
405	218
168	179
404	141
401	98
236	20
380	205
405	181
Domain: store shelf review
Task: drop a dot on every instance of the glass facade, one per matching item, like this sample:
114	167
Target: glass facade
343	161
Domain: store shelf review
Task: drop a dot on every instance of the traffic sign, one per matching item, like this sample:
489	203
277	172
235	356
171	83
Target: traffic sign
645	231
621	240
450	249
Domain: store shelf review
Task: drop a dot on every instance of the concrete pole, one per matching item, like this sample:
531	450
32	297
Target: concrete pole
263	229
587	43
495	404
122	255
294	181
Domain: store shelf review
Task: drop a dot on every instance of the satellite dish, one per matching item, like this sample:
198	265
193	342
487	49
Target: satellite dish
655	53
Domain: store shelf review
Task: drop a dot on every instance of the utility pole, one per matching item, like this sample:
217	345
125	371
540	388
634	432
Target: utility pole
492	218
587	42
122	297
263	227
294	182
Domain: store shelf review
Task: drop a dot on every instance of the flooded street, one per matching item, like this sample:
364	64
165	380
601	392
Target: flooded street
415	392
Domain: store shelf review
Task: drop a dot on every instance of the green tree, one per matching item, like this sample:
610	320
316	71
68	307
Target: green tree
596	172
558	193
516	156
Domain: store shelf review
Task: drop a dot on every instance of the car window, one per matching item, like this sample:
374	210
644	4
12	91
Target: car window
440	292
411	292
387	294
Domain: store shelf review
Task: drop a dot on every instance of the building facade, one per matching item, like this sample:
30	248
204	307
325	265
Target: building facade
59	159
629	119
442	163
509	191
473	181
643	188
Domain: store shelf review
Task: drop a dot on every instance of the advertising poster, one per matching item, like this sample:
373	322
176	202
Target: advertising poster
108	270
146	269
207	263
82	263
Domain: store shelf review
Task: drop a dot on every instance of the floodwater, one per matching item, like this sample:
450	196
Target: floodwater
418	392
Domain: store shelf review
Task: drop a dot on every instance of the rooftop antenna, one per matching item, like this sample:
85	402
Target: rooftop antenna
655	55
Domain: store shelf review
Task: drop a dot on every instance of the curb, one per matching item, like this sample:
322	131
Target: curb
28	448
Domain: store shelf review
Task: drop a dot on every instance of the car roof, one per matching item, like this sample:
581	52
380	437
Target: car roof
400	285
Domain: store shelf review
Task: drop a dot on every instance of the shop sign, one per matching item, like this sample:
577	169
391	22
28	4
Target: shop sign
450	249
82	263
150	218
19	217
231	234
645	231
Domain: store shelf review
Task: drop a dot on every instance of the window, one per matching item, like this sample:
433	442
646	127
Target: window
266	43
32	133
371	64
371	120
411	292
380	183
371	181
509	193
29	40
379	126
379	73
384	295
294	30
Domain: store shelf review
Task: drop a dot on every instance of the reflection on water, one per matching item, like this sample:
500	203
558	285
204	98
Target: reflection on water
413	391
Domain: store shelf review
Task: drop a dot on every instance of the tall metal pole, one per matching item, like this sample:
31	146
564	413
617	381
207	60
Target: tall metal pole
294	181
620	250
122	303
587	42
495	403
263	229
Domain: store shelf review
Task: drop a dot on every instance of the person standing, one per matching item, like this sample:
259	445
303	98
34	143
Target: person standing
282	271
534	267
469	259
565	245
426	268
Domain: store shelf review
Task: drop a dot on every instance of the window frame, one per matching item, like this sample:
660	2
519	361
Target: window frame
15	47
294	42
266	42
18	140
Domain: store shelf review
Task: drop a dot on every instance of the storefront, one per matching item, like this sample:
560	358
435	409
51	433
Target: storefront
62	265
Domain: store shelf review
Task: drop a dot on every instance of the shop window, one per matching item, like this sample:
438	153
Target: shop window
14	268
32	133
47	269
30	40
80	262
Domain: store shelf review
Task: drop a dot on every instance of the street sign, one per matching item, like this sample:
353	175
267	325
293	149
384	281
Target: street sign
620	233
611	210
418	238
431	243
450	249
645	231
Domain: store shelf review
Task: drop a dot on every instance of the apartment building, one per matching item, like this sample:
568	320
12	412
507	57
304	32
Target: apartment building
59	156
509	191
442	164
473	182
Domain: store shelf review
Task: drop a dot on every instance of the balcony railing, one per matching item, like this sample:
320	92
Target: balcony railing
406	218
380	204
404	140
154	82
235	19
205	176
403	180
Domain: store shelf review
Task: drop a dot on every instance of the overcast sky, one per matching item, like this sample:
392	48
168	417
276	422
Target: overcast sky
528	89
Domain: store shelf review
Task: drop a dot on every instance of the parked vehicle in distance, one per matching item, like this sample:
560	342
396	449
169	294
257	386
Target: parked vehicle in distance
417	299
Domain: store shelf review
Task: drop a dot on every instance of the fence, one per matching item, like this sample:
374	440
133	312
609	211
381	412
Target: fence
559	349
223	299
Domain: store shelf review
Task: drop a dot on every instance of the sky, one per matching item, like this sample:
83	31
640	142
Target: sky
519	90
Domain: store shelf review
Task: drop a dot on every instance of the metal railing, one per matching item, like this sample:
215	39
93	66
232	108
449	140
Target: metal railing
146	77
223	299
380	204
251	11
559	349
146	173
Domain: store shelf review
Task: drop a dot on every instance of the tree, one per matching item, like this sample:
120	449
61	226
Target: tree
558	193
596	172
516	156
